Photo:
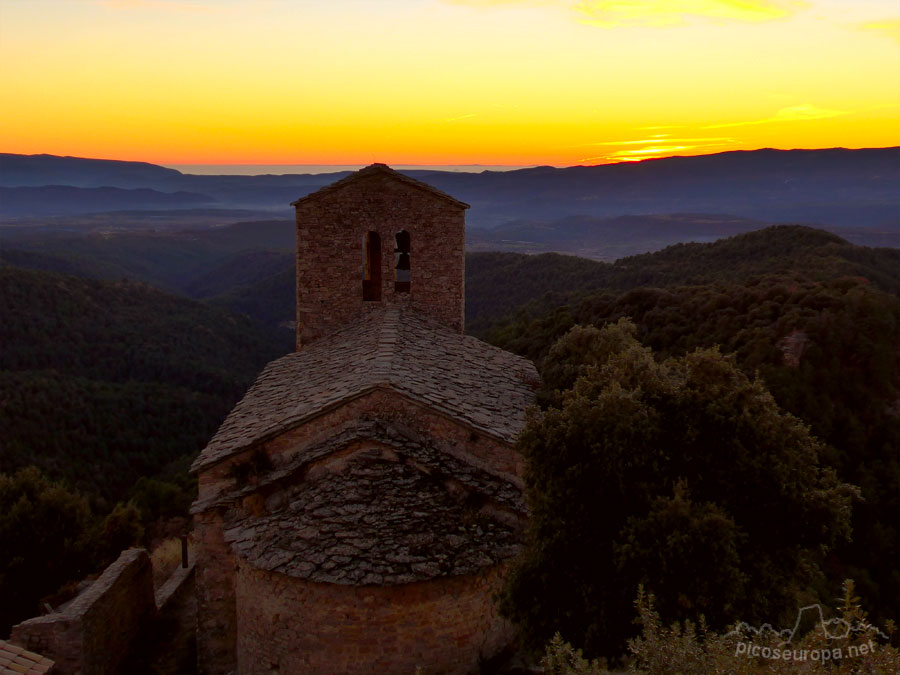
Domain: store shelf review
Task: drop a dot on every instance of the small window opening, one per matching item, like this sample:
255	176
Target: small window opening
402	267
371	272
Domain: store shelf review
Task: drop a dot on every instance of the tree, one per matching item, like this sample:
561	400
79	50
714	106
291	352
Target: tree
122	529
45	540
682	475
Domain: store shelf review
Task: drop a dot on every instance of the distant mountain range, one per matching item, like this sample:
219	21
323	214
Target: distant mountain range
607	238
53	200
836	187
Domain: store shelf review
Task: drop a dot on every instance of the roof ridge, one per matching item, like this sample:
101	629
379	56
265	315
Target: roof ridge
386	345
396	347
378	167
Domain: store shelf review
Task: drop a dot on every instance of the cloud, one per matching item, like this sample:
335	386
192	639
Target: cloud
612	13
663	138
460	117
887	27
165	5
653	148
797	113
501	3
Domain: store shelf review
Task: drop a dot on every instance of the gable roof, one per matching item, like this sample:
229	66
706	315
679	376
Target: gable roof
397	348
380	169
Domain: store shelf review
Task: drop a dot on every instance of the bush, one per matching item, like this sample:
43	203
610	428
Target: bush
688	648
46	538
681	474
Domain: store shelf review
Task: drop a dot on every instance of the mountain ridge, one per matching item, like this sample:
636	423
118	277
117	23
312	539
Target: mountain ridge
833	186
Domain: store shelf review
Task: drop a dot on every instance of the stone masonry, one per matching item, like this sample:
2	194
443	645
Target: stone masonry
358	508
95	633
331	227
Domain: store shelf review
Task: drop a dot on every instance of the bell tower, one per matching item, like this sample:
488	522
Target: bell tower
373	239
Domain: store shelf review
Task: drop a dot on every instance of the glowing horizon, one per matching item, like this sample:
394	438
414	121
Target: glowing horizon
445	82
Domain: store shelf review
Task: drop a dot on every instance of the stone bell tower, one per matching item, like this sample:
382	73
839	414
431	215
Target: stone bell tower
378	238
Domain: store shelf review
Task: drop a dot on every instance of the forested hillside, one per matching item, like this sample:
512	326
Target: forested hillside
496	283
107	382
185	261
109	389
816	318
114	386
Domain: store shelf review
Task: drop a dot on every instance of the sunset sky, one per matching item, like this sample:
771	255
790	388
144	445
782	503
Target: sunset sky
517	82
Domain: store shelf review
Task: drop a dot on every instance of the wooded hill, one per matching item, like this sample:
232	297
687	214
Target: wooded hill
105	382
816	318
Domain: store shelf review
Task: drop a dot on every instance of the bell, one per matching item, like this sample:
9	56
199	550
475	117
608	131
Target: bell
403	261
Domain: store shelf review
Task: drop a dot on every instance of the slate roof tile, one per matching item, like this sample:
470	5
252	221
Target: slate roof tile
377	522
397	348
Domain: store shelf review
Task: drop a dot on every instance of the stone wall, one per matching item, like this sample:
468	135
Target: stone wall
94	634
217	607
214	578
289	625
331	227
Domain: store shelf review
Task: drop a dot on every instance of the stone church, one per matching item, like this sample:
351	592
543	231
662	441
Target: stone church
357	509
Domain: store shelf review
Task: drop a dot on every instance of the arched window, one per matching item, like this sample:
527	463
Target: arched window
371	266
402	267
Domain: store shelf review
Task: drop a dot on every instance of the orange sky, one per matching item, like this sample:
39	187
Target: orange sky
518	82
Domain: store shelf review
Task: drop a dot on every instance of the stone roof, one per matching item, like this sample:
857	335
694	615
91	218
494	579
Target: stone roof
397	348
15	660
469	472
384	169
380	520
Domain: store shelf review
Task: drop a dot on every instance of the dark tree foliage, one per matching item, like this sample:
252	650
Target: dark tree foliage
845	382
682	475
500	284
816	318
47	537
103	383
113	388
121	332
101	436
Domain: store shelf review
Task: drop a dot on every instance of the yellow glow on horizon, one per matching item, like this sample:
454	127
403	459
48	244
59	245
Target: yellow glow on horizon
512	82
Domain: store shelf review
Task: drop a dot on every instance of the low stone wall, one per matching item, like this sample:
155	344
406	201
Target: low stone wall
176	586
94	634
290	625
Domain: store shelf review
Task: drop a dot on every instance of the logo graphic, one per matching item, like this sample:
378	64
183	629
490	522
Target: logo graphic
834	629
807	618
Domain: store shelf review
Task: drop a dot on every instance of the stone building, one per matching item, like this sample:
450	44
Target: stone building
358	508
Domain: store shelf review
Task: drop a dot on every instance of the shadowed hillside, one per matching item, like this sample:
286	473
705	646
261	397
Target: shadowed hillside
816	318
98	376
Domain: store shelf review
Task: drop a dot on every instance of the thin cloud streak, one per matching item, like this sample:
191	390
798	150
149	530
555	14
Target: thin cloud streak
461	117
652	150
660	13
655	13
179	6
661	138
889	28
797	113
